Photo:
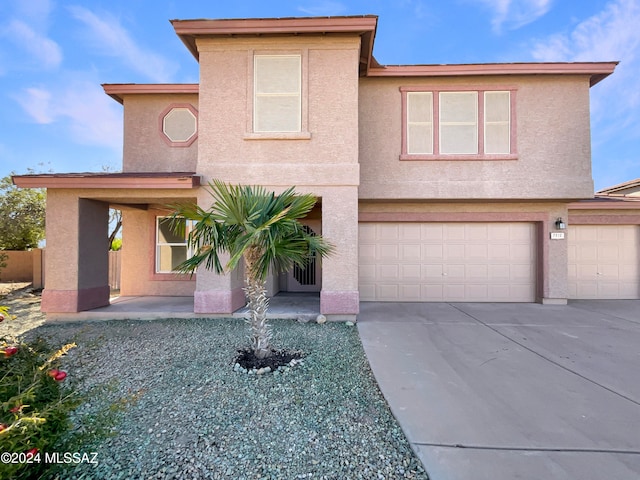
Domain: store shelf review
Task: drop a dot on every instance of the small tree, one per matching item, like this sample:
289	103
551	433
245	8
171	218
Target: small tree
260	227
23	213
115	222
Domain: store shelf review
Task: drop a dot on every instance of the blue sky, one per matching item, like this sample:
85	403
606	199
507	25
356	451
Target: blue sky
54	54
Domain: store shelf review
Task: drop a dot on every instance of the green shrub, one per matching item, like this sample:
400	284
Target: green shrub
35	404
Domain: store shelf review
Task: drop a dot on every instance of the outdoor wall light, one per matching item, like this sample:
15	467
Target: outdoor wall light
560	225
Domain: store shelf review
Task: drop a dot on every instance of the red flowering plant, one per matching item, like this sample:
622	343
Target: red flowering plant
34	403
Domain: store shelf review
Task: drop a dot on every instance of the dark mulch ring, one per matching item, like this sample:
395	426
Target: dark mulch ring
278	358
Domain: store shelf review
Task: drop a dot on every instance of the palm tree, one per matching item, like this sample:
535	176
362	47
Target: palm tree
260	227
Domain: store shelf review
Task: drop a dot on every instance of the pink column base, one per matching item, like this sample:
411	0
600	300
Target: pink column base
73	301
218	301
339	302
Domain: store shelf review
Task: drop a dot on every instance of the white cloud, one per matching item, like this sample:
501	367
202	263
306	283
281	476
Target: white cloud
114	40
613	34
37	103
81	107
323	8
513	14
43	50
37	11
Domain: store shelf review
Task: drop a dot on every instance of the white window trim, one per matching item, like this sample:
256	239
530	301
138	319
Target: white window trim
303	133
436	155
171	244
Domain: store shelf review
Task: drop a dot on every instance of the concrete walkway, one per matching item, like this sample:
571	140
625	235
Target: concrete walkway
512	391
283	305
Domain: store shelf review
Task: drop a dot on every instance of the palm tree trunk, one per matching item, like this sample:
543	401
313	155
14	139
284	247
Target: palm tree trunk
258	303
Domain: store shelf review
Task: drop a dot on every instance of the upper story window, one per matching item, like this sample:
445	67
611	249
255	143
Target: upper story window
179	125
277	94
470	124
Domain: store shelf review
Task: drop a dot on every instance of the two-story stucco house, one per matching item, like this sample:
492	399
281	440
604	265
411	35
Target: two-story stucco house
435	182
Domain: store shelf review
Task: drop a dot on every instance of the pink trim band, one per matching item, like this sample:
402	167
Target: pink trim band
73	301
218	301
604	219
339	302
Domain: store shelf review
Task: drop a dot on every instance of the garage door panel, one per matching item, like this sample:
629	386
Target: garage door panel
454	253
450	262
431	271
606	261
477	272
454	273
478	232
499	273
454	231
367	254
388	272
388	252
411	292
411	253
388	292
432	232
521	253
432	253
388	231
498	252
410	272
476	252
411	232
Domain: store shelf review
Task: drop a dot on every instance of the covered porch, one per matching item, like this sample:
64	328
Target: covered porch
304	306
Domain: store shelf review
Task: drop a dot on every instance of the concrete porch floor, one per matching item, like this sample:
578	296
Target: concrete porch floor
282	305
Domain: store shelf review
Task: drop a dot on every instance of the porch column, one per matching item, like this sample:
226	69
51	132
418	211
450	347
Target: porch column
221	294
76	258
555	257
339	297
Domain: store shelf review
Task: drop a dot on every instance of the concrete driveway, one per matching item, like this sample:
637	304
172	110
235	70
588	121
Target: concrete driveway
512	391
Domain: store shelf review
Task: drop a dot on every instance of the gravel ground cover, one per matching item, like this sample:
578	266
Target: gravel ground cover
181	411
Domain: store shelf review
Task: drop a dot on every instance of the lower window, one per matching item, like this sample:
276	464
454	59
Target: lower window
171	247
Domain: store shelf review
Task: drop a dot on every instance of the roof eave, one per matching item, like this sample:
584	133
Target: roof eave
597	71
363	25
109	181
117	91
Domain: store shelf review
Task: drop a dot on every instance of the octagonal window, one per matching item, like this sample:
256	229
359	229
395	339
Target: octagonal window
180	125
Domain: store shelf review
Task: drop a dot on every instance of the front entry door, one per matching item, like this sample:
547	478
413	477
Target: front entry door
308	278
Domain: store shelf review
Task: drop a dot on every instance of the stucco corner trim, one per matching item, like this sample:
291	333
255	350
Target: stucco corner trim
339	302
218	301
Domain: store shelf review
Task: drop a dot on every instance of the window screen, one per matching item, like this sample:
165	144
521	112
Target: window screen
277	93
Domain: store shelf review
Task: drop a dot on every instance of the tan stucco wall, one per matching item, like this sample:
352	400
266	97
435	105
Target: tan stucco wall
138	259
226	148
552	254
322	159
65	243
145	150
553	143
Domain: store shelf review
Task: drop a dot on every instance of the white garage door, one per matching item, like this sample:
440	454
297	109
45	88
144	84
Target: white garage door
604	261
471	262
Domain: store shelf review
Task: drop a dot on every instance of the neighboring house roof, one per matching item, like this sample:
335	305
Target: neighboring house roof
626	189
622	196
175	180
